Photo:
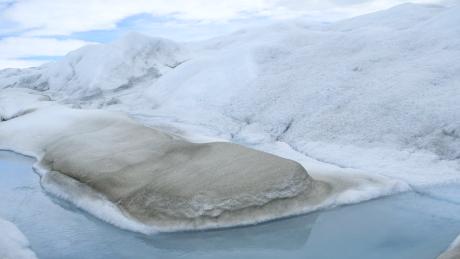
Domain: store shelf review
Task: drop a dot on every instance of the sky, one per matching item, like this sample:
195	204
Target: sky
33	32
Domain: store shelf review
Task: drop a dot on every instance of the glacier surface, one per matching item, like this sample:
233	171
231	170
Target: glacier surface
369	105
377	93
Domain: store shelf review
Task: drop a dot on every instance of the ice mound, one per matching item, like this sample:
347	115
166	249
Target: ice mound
94	70
378	93
21	103
161	180
13	244
142	179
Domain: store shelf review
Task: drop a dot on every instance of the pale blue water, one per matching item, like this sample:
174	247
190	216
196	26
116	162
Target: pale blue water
403	226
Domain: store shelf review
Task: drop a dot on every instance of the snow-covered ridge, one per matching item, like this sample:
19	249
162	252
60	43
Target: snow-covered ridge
92	70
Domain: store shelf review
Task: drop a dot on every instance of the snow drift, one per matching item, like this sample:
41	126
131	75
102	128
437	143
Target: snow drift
13	244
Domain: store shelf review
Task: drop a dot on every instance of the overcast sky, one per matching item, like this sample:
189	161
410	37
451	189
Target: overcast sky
37	31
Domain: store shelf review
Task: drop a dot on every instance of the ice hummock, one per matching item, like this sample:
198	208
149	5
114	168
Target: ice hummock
13	244
145	180
94	70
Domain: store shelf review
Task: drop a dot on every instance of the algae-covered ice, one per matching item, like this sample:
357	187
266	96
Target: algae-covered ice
146	180
158	179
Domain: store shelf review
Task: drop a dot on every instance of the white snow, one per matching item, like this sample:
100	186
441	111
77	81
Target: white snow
17	102
385	93
13	244
95	69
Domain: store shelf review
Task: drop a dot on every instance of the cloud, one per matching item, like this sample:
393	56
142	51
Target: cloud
18	63
49	17
67	16
27	46
19	51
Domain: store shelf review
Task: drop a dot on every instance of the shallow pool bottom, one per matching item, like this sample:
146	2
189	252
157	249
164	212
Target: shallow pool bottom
409	225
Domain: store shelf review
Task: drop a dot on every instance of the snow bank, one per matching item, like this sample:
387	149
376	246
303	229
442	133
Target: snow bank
13	244
16	102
